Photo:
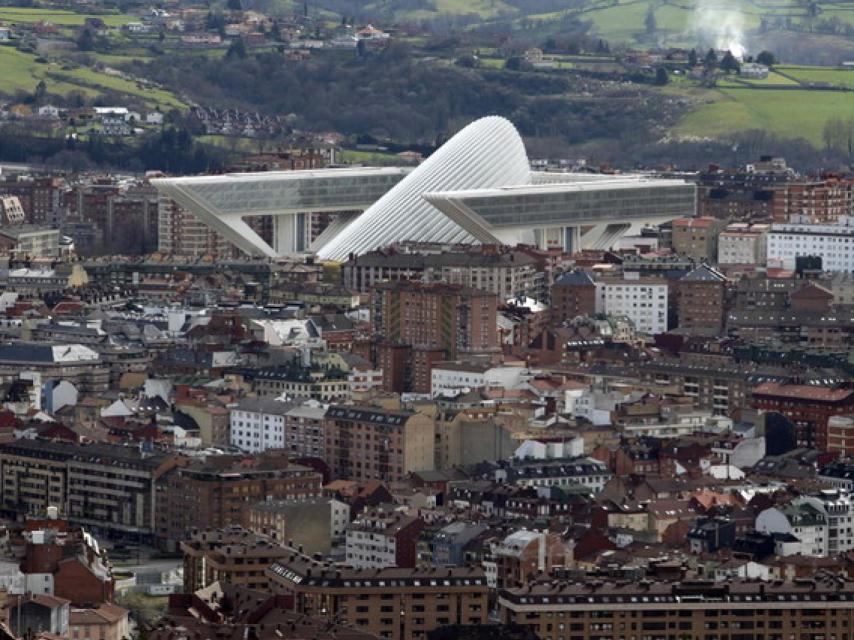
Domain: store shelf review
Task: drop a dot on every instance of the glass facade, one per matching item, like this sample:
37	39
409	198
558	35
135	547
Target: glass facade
561	208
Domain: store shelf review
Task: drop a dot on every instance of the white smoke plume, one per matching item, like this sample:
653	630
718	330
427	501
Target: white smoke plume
719	25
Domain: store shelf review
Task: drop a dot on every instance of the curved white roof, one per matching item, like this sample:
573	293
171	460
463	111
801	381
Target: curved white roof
486	154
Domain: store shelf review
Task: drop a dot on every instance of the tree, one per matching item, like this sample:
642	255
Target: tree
711	60
40	93
516	63
649	21
234	5
86	41
767	58
692	58
729	63
661	76
237	49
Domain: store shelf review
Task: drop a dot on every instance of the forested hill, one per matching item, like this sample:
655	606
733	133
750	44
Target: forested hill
408	99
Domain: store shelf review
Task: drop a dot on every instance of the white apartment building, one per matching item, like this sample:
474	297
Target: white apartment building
378	540
584	472
803	521
742	243
838	507
823	522
258	424
643	301
834	243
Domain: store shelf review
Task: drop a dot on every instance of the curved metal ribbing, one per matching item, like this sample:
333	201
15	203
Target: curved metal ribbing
487	153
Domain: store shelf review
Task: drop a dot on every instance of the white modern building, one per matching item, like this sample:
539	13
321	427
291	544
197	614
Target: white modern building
258	424
838	508
380	539
740	452
476	188
643	301
803	521
833	243
744	244
456	375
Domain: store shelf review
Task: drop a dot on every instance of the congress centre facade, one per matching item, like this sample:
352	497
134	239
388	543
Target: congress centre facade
476	188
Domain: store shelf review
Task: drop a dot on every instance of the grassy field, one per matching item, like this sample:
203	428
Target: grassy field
837	77
791	113
773	80
247	145
354	156
20	72
25	15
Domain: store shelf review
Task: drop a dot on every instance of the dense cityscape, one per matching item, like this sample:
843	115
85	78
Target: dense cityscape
512	320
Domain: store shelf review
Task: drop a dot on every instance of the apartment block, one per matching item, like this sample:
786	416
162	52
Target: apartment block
394	603
643	300
818	609
573	294
217	492
107	488
743	244
230	555
312	524
376	540
807	407
697	238
506	273
428	323
370	443
701	295
833	243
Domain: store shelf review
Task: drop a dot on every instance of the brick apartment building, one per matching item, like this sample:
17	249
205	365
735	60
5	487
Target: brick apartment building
818	608
231	555
370	443
807	407
701	296
417	324
573	294
217	492
697	238
62	562
108	488
505	272
394	603
769	190
40	197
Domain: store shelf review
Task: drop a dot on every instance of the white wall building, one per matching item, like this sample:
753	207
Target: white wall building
471	375
803	521
548	449
742	452
833	243
741	243
372	539
643	301
838	508
258	424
